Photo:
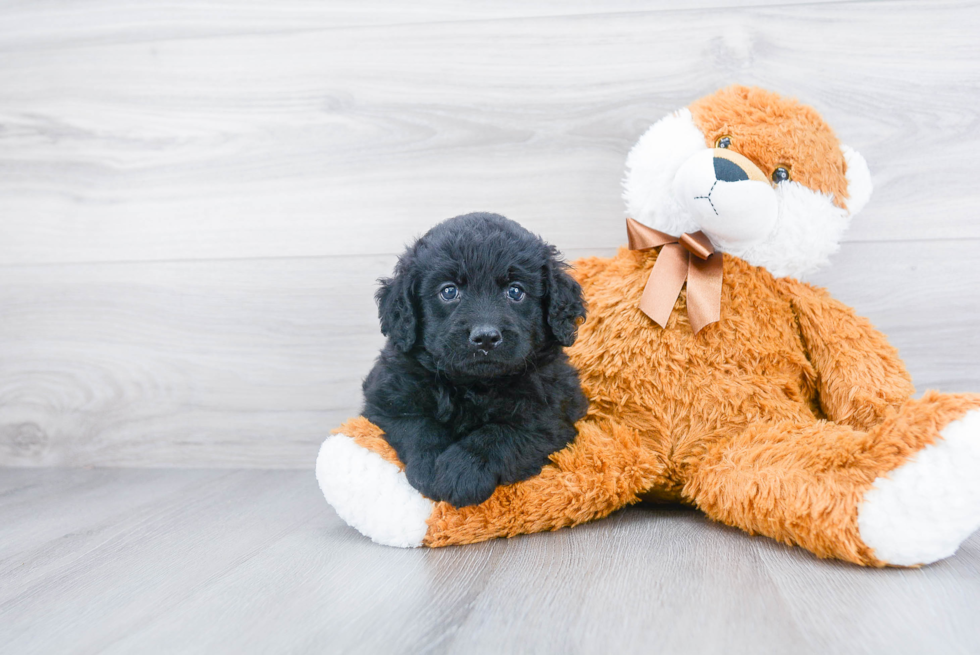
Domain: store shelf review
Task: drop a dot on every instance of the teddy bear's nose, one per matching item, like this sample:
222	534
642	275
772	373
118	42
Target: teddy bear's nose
728	171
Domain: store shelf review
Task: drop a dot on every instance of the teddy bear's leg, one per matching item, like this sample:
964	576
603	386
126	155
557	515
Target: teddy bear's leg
906	492
922	511
361	477
604	469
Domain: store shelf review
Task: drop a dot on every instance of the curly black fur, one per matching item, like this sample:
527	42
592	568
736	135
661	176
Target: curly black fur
474	390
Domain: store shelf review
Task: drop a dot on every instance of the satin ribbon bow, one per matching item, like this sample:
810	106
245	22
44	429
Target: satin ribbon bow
674	265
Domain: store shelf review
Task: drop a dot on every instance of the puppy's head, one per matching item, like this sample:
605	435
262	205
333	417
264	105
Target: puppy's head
479	296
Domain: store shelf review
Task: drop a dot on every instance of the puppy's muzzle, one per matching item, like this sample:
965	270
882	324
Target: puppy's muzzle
485	337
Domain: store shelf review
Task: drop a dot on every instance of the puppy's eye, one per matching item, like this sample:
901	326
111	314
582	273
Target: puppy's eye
515	293
781	174
449	292
724	142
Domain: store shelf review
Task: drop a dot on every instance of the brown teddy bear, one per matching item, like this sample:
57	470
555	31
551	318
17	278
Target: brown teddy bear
716	379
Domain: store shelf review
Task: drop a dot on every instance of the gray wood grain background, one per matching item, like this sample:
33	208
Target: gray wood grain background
196	198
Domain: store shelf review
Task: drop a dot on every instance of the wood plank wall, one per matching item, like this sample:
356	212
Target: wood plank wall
196	197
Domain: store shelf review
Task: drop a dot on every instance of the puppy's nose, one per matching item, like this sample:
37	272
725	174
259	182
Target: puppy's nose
485	337
728	171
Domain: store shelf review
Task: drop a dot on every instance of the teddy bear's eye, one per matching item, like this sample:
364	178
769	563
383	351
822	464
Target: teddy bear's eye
781	174
724	142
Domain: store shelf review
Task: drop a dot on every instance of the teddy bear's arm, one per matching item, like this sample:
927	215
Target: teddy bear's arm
606	468
860	375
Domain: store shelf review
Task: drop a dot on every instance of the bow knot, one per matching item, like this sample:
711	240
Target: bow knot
674	266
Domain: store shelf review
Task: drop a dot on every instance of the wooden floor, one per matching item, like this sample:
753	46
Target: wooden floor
245	561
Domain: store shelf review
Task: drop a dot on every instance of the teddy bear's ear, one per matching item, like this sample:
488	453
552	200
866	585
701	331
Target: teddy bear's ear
858	180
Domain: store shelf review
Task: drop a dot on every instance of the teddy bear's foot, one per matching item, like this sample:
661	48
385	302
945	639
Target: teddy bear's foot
923	510
371	494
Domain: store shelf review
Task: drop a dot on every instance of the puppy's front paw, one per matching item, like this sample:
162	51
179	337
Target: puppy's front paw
420	472
462	478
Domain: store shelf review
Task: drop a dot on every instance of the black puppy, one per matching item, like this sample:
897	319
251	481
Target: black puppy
472	388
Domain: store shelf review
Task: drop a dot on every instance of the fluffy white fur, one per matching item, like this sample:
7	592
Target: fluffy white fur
650	169
808	227
370	494
922	511
735	215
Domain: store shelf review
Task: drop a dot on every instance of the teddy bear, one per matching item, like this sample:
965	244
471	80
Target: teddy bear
715	377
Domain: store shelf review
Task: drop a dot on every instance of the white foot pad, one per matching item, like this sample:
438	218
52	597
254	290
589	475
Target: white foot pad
370	494
923	510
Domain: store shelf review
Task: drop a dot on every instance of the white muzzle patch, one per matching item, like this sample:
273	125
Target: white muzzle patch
734	210
791	230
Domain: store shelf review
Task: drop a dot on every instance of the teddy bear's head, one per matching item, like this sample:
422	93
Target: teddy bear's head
763	176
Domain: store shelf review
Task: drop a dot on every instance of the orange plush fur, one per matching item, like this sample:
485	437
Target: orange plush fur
776	419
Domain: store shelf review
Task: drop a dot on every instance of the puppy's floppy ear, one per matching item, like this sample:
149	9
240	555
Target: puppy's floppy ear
563	304
397	306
